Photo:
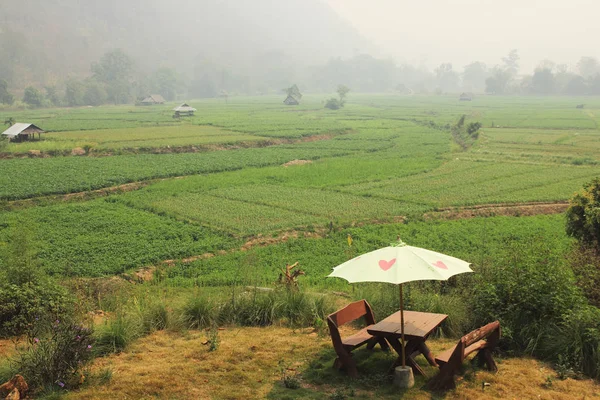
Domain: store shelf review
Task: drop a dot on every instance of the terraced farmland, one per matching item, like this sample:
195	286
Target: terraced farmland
378	160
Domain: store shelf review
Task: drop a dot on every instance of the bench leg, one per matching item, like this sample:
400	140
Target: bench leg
346	362
485	357
444	380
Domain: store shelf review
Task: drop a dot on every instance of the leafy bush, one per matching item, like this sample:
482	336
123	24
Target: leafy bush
26	307
28	298
585	262
333	104
473	128
56	360
530	289
583	215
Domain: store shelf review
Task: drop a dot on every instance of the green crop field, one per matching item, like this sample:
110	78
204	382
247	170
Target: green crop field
305	168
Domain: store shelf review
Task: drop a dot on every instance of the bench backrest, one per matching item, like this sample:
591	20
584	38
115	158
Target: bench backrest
352	312
491	332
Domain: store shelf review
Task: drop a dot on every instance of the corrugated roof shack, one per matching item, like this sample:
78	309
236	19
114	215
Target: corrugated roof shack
183	111
21	132
153	99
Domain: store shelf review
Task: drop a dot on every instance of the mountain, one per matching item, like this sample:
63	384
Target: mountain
46	41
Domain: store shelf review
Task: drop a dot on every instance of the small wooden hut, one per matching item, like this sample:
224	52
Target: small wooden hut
183	111
153	99
20	132
291	101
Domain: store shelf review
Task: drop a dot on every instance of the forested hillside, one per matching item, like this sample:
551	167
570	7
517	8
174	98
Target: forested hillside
45	42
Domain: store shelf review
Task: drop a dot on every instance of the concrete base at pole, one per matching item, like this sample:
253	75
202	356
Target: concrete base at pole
404	378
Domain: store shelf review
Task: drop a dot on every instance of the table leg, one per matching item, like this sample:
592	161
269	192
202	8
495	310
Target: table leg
411	346
427	353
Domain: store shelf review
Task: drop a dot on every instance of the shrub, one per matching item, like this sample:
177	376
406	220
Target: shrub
585	262
333	104
56	360
583	215
27	307
473	128
28	298
529	290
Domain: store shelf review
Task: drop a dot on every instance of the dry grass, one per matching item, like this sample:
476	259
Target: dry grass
246	366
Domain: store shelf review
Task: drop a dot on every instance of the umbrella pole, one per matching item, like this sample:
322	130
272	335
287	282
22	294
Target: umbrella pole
402	329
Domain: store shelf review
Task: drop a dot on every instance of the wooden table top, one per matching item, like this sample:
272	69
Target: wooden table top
416	324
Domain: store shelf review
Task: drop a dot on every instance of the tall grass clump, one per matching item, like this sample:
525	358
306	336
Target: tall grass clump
198	312
152	314
118	333
574	344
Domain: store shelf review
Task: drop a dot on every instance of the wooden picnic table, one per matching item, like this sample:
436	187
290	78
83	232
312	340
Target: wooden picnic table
417	328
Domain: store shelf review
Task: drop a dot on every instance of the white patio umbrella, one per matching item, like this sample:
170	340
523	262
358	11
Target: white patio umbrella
397	264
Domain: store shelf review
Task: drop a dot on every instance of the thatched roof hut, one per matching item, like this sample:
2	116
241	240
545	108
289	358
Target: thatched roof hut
466	96
183	109
153	99
291	101
22	131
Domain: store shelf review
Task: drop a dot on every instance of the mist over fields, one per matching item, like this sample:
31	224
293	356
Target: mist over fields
206	48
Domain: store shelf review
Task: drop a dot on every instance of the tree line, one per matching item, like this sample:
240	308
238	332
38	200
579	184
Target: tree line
116	79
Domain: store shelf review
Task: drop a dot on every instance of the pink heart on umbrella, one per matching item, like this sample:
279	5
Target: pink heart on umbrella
440	264
385	265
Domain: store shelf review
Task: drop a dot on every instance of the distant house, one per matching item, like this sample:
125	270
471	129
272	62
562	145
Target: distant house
183	110
466	97
153	99
22	131
291	101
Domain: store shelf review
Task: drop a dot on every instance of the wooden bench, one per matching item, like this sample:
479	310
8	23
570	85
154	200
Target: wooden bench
344	346
482	340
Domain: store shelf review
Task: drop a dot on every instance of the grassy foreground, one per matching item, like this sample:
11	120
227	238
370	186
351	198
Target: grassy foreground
248	362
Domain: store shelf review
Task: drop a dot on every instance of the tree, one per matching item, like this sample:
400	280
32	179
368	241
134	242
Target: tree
474	76
74	92
588	67
342	91
166	82
33	97
542	82
52	95
498	82
5	96
576	86
293	91
447	78
511	62
583	215
114	70
95	94
10	121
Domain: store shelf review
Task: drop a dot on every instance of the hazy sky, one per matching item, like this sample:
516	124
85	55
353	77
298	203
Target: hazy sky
460	31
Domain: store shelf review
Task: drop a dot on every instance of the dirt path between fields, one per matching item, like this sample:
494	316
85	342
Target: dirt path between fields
489	210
